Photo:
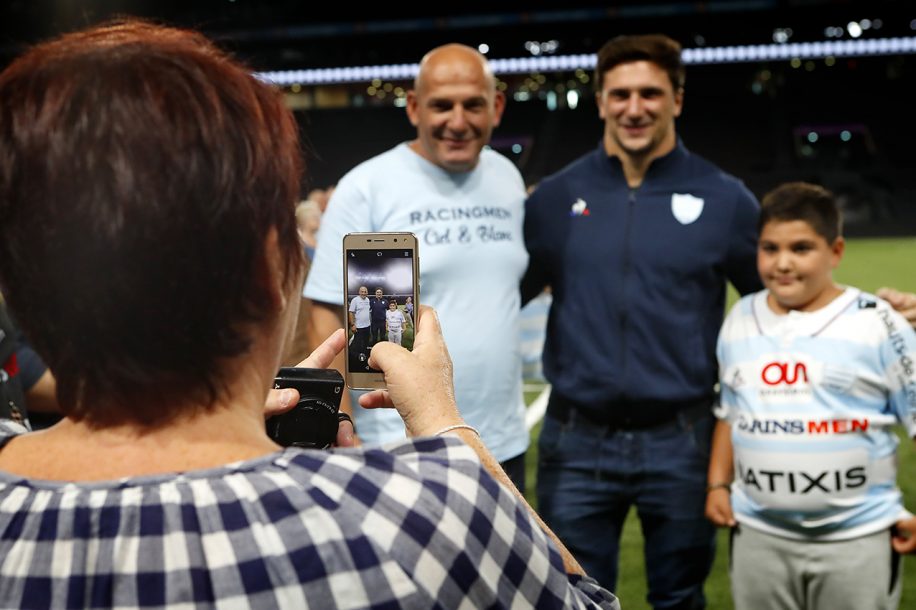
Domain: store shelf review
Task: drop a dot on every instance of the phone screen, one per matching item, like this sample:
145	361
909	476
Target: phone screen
381	297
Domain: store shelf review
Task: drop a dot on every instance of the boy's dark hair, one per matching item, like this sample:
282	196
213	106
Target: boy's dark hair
141	172
656	48
811	203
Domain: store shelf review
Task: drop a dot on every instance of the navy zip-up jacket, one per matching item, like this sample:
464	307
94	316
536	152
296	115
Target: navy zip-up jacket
638	275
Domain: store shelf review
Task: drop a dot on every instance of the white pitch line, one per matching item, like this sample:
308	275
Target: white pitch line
537	408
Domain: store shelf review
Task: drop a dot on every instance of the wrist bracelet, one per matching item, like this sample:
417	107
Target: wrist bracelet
342	417
726	486
457	427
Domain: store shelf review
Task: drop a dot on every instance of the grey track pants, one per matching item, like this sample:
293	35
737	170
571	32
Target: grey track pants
773	573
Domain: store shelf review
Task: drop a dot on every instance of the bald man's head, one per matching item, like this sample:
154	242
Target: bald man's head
455	106
453	55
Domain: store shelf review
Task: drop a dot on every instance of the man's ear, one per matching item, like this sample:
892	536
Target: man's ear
412	111
678	102
499	105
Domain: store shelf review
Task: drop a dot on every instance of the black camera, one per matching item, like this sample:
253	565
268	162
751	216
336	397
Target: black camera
313	422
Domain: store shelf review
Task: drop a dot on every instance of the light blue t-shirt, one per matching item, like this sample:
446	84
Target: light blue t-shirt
811	398
359	307
471	255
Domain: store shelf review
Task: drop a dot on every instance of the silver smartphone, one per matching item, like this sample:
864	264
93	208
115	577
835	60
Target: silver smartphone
381	294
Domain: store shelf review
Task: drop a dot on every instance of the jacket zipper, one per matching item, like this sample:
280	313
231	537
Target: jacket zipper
624	309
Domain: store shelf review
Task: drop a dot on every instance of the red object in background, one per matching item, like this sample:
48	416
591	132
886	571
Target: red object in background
11	366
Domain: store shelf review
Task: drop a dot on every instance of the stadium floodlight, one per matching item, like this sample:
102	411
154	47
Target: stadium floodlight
586	61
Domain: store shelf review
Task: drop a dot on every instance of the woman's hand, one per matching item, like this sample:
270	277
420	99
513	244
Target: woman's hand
420	384
281	401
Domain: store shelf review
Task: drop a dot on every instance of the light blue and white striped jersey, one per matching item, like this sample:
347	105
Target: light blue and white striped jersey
811	398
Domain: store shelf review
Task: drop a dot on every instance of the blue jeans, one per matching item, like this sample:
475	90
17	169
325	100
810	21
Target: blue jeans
588	477
377	331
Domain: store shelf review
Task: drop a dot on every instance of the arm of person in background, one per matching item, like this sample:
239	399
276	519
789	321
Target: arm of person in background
719	477
310	326
903	302
420	387
37	380
42	395
903	538
536	278
898	350
741	259
532	284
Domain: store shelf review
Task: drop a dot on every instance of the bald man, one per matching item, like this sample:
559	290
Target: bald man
464	202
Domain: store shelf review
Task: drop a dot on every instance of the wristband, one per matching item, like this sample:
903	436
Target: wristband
726	486
457	427
342	417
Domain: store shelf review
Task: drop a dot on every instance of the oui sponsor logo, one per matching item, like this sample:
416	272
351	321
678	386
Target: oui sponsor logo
787	379
787	373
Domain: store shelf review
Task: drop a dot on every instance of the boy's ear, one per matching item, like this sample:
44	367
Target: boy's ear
837	248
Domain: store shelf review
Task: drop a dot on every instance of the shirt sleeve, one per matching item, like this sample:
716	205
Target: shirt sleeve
723	407
536	276
31	366
741	264
348	211
898	357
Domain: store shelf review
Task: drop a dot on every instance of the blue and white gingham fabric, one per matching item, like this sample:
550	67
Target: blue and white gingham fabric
418	525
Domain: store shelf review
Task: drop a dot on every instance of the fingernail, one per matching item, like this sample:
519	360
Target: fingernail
286	397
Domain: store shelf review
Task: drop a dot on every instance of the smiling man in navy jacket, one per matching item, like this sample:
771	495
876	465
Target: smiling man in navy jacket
636	240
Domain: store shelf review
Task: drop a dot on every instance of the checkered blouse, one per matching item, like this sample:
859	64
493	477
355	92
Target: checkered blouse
418	525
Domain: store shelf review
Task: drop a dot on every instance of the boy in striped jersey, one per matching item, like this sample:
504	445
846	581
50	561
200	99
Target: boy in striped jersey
813	376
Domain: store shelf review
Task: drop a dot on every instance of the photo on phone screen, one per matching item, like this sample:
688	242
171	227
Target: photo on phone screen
380	301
